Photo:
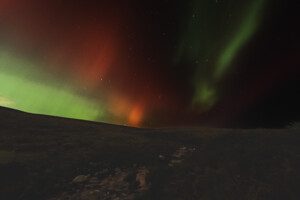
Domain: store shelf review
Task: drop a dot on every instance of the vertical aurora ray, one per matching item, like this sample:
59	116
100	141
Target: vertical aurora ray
244	33
26	94
211	41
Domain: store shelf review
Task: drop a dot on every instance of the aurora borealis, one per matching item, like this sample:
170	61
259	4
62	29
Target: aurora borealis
240	32
151	63
21	93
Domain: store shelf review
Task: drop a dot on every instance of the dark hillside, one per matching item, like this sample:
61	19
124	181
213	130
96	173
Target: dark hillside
45	157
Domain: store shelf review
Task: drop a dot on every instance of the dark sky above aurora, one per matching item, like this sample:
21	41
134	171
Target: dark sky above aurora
152	63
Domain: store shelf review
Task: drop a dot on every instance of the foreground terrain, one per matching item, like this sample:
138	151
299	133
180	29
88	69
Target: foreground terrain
57	159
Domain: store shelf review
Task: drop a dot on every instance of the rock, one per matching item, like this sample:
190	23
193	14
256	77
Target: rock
93	180
173	163
180	152
80	179
118	170
176	161
141	178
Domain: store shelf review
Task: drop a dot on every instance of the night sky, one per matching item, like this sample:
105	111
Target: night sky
220	63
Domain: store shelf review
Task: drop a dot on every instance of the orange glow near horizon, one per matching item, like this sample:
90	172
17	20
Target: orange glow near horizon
135	116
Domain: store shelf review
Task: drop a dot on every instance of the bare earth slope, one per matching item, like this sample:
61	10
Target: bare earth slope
54	158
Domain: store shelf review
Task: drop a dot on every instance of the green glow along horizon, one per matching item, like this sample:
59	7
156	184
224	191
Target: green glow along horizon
23	93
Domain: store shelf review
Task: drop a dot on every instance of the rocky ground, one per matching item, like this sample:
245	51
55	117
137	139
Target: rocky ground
58	159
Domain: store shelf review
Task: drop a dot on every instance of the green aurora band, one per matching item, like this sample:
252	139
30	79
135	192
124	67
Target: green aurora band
213	39
23	93
244	33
